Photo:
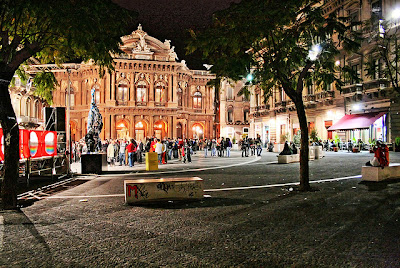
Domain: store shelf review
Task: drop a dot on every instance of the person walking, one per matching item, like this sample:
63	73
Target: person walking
259	146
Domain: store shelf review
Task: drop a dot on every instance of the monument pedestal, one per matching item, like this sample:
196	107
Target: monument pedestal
93	163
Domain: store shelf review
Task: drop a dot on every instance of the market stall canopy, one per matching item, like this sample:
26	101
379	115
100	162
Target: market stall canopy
356	121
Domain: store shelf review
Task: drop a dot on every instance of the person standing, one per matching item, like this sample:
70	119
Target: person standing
111	153
189	151
122	147
139	152
159	150
213	147
131	150
228	147
205	144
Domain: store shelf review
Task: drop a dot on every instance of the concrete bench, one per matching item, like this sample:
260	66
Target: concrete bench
285	159
164	189
318	152
380	174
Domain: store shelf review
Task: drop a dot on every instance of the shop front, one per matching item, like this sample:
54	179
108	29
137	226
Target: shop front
365	127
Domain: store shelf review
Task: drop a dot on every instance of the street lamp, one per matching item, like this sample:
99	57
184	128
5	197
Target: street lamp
395	13
314	52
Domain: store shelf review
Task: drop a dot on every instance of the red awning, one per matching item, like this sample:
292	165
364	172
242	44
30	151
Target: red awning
356	121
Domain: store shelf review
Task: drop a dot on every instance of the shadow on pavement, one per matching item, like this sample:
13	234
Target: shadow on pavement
378	185
204	203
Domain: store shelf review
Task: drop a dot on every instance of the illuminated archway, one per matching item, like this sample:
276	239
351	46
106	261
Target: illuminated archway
198	131
140	130
122	128
160	129
73	131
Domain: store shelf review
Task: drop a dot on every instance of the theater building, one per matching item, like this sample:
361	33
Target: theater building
150	93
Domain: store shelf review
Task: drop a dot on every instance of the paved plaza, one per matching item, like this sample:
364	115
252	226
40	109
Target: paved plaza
252	216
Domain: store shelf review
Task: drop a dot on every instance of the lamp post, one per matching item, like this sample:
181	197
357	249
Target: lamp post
68	125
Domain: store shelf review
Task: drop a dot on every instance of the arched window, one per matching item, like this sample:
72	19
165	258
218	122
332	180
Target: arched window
230	114
122	93
179	93
159	92
96	94
246	114
17	105
197	100
28	107
37	109
141	90
229	93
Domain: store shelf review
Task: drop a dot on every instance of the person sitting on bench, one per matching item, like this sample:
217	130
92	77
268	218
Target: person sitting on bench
381	155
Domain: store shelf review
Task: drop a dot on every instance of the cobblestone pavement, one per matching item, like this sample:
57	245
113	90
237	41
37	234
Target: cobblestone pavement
346	223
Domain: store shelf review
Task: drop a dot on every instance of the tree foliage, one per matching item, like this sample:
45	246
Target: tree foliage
273	40
52	31
383	59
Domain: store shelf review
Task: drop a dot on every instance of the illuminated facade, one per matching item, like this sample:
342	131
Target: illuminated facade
234	112
148	94
27	107
276	119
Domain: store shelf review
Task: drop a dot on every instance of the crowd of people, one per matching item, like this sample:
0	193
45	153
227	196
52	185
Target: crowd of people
124	152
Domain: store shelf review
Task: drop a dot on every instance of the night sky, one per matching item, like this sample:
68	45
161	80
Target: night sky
170	19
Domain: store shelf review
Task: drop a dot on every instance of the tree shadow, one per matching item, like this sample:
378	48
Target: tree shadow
378	185
14	222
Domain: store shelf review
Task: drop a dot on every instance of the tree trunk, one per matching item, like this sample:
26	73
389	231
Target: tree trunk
9	124
304	149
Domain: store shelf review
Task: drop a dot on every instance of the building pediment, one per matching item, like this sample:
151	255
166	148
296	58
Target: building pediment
139	45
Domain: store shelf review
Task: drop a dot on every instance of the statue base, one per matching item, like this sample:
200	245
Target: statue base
93	163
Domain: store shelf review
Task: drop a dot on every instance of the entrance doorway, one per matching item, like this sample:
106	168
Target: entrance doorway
160	129
122	130
198	132
179	130
140	132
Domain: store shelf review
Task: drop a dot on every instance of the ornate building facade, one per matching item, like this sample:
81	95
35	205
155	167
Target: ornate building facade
148	94
330	112
27	107
234	111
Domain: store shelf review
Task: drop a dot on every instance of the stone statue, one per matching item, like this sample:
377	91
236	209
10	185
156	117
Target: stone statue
95	125
172	54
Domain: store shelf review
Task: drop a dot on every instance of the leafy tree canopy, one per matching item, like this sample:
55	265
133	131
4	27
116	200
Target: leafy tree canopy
60	30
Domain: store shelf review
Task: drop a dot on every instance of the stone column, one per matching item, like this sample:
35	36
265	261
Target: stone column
170	85
113	86
132	95
150	132
170	127
151	91
112	126
132	133
173	126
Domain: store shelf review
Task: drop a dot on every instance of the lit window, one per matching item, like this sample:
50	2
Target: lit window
141	90
179	93
197	100
122	92
159	92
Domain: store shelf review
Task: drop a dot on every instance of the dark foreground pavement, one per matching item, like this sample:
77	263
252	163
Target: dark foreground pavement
341	224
